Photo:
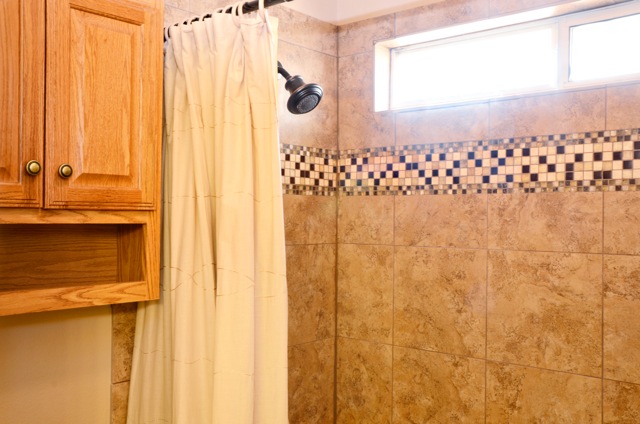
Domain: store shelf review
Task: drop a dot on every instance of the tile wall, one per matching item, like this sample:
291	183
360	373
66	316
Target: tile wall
496	296
487	254
309	144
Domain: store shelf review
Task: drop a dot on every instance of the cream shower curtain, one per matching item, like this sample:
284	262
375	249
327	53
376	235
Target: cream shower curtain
214	348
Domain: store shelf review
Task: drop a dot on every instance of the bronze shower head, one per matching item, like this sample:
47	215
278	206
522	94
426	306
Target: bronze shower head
304	97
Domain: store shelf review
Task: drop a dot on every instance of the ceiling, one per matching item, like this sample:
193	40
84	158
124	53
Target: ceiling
340	12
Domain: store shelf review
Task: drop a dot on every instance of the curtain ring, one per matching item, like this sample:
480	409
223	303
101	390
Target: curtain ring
236	13
261	10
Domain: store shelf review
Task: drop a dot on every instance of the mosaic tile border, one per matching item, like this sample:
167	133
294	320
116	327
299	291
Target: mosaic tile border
308	170
589	161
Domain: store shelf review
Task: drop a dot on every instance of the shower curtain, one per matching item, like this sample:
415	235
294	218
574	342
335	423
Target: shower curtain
213	349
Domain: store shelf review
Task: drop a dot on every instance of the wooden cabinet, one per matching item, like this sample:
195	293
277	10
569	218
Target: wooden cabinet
22	43
80	90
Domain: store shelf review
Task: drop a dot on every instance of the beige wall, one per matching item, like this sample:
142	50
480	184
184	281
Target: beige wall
56	367
506	307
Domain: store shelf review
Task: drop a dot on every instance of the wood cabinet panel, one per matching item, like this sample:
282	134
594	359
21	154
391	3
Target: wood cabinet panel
22	28
101	96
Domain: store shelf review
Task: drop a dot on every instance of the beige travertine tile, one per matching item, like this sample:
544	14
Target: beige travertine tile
363	382
519	395
437	388
365	292
318	128
621	403
311	382
180	4
505	7
440	14
310	219
365	220
305	31
123	318
621	318
359	37
359	126
441	221
201	7
545	310
440	300
173	15
623	104
119	402
566	222
312	293
562	113
460	123
622	223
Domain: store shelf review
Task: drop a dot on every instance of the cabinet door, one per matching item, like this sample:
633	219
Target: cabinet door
21	100
104	88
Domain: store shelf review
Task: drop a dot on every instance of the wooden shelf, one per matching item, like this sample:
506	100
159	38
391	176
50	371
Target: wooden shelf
58	260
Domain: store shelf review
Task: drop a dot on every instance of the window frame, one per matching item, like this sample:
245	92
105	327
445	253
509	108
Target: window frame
563	17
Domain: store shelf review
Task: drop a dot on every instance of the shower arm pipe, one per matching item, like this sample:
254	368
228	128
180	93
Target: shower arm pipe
248	7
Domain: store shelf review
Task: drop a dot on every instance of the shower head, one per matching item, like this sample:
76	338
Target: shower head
304	97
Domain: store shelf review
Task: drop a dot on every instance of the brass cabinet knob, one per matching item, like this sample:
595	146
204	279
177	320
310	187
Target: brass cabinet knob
33	167
65	170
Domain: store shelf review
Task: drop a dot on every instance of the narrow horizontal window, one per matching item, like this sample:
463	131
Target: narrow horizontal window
607	49
541	51
472	68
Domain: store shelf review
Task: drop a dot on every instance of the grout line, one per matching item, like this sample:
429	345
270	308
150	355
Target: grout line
494	361
309	342
560	252
486	316
393	308
337	228
335	335
542	369
602	362
606	118
622	382
306	47
486	373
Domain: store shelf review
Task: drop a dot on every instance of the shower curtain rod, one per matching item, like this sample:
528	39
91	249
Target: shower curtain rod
248	7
